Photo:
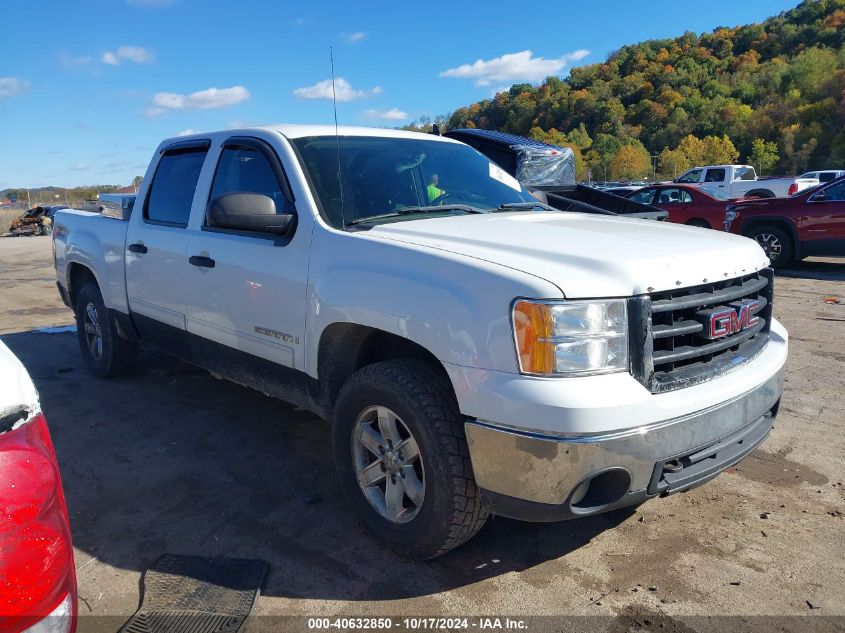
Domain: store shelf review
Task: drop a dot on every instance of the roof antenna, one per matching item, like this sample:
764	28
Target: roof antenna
337	143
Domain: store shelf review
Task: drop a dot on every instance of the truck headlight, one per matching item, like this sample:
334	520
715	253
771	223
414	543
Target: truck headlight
571	338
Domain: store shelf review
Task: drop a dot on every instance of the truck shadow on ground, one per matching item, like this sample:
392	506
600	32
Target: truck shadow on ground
173	460
822	269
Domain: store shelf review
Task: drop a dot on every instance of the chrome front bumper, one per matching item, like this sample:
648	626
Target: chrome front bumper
548	477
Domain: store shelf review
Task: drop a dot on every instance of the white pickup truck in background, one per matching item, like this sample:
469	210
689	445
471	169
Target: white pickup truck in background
476	351
740	181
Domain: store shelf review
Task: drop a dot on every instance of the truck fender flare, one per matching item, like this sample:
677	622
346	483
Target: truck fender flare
761	193
73	263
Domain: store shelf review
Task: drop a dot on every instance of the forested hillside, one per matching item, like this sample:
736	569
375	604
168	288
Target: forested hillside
772	94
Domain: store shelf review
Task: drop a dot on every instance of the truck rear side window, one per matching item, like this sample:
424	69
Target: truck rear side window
172	191
715	175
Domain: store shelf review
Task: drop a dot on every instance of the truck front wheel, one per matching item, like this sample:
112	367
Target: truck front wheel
105	353
402	458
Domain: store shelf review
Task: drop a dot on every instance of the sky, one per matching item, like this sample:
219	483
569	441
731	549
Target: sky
89	88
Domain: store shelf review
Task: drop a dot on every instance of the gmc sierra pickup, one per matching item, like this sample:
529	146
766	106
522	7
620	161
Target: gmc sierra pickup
476	351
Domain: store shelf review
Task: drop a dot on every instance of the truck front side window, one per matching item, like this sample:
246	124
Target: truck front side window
691	176
244	169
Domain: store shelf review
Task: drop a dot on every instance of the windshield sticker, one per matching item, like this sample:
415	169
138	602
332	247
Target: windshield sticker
497	173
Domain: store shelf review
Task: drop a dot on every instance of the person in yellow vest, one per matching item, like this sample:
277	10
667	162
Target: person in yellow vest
433	190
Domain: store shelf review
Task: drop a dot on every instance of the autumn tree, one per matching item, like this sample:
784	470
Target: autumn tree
709	97
631	162
672	162
719	151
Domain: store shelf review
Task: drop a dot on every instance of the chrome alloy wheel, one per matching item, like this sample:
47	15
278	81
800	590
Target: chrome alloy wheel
770	244
387	464
93	331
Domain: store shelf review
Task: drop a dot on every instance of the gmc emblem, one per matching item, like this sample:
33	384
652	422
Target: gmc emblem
721	322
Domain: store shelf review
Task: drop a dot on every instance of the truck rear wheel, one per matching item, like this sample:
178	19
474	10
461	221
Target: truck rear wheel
105	353
775	242
402	458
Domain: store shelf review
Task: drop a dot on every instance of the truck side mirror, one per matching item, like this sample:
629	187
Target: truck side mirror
248	212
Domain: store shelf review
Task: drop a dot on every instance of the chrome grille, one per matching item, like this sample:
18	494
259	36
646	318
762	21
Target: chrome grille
678	351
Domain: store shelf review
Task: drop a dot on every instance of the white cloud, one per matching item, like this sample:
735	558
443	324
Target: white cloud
80	167
394	114
152	113
351	38
187	132
69	61
135	54
521	66
343	89
12	87
203	100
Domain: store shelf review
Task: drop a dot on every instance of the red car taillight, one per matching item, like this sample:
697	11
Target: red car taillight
37	576
793	189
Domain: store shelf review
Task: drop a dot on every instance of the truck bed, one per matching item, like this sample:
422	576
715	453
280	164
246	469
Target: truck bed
79	236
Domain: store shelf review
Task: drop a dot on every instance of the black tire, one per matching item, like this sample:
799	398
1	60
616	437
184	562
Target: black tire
116	355
776	243
451	511
38	230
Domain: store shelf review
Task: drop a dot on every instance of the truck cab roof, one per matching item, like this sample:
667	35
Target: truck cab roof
301	131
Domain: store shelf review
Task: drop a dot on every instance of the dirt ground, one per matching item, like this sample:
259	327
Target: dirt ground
173	460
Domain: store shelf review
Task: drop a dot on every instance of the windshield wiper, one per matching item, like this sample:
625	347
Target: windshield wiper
507	206
446	208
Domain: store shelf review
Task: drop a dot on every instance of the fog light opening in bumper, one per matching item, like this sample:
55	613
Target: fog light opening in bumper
600	490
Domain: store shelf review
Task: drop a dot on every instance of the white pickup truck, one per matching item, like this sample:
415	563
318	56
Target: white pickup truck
740	181
475	351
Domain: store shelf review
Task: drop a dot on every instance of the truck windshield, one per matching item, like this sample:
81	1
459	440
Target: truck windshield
692	175
383	175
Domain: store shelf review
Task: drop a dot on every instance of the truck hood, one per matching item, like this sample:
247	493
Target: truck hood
588	256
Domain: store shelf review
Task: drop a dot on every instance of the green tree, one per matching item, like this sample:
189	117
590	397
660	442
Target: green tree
764	155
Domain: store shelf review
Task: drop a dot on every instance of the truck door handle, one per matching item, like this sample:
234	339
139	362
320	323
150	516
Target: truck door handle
137	248
201	261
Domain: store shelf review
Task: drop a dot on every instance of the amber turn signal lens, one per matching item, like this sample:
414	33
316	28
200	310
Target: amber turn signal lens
534	328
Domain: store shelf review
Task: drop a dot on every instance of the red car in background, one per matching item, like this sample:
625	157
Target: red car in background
37	575
812	222
687	204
